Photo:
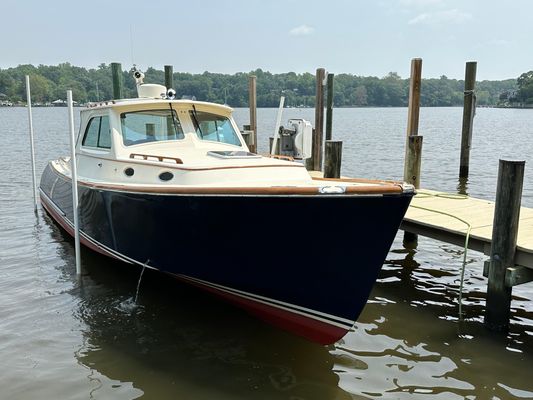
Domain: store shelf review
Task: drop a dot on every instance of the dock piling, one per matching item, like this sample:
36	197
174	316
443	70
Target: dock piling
413	145
116	72
252	102
469	111
332	159
329	107
318	134
169	76
503	248
413	112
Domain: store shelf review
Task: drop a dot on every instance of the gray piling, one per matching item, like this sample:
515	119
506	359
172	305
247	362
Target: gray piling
332	159
329	107
469	111
169	76
504	235
318	135
413	144
252	103
116	73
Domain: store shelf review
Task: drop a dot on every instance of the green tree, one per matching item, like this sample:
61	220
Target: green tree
525	87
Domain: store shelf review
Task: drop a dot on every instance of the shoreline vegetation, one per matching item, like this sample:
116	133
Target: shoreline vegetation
49	84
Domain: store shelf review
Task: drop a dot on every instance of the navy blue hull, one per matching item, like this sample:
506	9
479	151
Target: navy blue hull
260	251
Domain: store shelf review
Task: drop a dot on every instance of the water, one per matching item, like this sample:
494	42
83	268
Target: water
68	339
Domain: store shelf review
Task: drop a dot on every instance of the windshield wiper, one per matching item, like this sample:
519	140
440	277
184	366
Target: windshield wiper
195	119
173	120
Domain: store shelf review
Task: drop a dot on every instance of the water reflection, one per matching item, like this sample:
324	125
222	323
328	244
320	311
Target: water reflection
410	340
181	342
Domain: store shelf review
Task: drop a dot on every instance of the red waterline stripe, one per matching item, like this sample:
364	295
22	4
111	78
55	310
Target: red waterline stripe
316	331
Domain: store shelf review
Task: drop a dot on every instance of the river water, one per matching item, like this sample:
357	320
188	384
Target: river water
61	338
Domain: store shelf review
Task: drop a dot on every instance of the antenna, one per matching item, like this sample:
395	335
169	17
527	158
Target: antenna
131	43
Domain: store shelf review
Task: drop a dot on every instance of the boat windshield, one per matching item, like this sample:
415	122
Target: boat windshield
214	127
150	126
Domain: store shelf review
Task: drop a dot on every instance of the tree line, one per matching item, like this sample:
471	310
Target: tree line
50	83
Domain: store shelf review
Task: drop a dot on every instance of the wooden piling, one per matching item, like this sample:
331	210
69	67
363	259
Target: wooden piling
414	161
116	73
169	76
413	144
469	111
332	159
252	92
318	135
503	248
413	113
329	107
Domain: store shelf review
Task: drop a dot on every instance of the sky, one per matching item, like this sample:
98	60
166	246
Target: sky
360	37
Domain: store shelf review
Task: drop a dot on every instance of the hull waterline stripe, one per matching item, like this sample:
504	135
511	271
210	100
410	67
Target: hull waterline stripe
306	312
317	315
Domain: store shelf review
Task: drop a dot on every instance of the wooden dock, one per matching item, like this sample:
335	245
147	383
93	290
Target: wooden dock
429	215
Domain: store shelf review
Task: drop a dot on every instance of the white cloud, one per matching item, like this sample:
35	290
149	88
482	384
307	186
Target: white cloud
454	16
301	30
420	3
500	42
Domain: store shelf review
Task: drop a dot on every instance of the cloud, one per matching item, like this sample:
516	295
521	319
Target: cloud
301	30
454	16
500	42
420	3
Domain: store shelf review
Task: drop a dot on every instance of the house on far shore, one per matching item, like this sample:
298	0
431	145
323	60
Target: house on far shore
4	101
59	103
62	103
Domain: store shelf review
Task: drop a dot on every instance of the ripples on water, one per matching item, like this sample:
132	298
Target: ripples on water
70	339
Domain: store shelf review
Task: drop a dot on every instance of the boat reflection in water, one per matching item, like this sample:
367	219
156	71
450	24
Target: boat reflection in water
178	342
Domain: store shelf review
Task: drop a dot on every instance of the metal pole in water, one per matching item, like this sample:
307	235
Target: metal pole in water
30	118
278	124
74	176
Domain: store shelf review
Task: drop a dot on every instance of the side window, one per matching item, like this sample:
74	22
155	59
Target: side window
104	139
91	133
98	133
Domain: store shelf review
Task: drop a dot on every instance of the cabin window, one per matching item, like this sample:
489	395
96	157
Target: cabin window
150	126
214	127
98	133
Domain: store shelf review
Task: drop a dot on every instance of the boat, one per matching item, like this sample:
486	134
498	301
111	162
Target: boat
170	184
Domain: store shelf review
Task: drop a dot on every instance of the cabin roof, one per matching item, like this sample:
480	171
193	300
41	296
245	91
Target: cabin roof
136	102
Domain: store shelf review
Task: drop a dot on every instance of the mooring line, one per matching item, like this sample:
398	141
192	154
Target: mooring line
452	196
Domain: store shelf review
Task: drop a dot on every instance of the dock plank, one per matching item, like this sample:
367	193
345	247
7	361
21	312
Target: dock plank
478	213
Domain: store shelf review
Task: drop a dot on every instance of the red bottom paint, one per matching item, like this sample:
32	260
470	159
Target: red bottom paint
312	329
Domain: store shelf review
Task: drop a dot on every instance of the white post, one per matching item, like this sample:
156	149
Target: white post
74	176
33	180
278	124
